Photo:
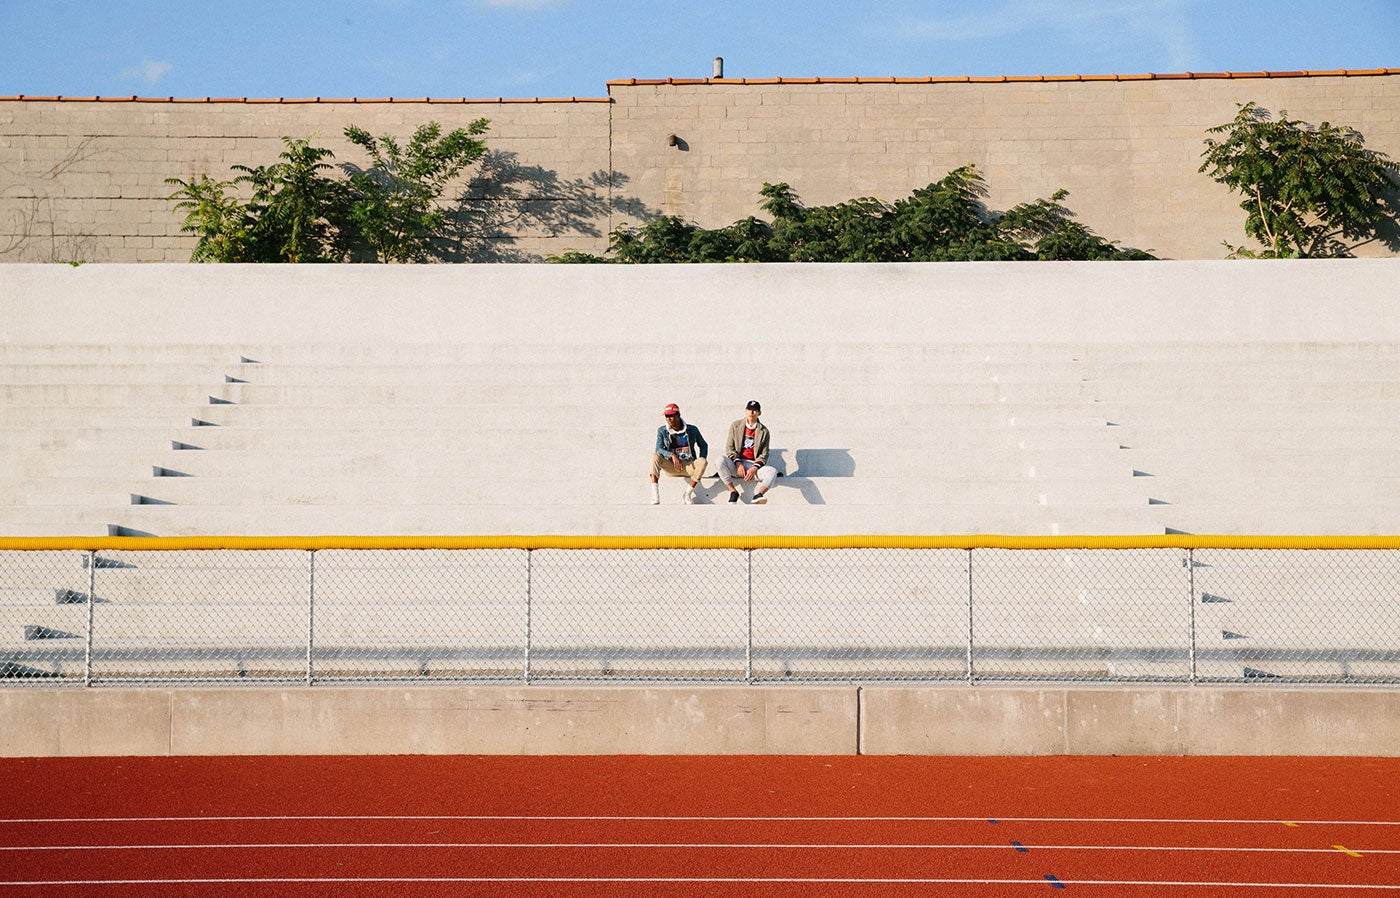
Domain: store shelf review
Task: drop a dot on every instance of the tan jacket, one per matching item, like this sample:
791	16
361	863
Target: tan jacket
735	442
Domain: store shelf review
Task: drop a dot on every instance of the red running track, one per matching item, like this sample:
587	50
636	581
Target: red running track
627	827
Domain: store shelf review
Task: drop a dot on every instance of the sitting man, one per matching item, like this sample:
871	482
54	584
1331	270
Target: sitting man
746	454
680	451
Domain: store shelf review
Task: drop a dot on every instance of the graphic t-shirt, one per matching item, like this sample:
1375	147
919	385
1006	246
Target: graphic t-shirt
747	452
680	444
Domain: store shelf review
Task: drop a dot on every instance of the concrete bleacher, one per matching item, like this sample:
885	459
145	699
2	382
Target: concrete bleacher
1193	397
1036	439
541	438
1061	399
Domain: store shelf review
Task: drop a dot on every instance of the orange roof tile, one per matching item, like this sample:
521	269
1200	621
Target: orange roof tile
631	82
303	100
1005	79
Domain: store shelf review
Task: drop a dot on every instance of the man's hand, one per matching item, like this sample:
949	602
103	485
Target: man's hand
749	472
676	463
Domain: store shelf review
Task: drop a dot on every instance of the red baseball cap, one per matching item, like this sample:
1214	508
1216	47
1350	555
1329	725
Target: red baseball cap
671	409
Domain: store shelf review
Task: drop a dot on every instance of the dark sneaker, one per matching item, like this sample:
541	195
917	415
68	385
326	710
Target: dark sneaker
759	499
733	497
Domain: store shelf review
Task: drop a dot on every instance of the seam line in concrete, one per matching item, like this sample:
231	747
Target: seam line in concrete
860	720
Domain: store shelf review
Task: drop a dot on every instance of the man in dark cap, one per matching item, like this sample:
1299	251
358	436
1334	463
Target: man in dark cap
680	451
746	455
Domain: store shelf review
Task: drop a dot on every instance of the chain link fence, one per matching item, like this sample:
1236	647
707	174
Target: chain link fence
711	614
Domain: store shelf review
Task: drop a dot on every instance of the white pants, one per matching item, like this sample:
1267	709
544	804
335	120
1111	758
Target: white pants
728	468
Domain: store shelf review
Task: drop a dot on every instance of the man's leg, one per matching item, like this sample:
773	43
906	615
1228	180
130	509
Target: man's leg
766	476
728	467
695	470
655	477
726	472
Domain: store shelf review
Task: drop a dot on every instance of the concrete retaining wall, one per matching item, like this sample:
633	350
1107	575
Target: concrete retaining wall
842	719
946	303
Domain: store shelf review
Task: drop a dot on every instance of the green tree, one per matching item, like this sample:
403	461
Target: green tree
945	221
297	212
220	221
1309	191
672	239
394	204
854	231
1047	231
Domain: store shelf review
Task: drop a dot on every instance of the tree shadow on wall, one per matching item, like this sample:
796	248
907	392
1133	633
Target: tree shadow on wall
1388	229
507	200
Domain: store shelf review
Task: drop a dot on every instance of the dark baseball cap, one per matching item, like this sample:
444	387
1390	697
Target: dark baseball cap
753	404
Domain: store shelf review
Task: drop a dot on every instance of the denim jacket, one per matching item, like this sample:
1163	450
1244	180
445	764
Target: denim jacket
665	441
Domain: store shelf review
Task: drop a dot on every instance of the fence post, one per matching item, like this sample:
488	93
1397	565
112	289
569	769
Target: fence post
748	602
91	600
310	614
529	606
971	673
1191	613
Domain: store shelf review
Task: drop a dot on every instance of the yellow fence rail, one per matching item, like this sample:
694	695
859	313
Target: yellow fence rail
1187	608
844	541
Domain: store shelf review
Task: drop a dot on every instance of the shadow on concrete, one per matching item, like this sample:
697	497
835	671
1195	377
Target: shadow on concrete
809	464
823	463
507	199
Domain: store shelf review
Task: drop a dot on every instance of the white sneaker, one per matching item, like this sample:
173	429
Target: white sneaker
655	494
688	497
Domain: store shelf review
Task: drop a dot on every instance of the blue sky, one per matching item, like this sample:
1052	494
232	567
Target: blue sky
560	48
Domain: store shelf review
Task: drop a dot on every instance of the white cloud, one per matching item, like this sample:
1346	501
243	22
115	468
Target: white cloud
148	72
1163	22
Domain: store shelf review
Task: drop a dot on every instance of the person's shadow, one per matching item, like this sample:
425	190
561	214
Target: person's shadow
809	465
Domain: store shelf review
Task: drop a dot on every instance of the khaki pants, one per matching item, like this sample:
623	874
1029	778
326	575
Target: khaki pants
661	464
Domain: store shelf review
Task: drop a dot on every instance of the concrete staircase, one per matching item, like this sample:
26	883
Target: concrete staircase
894	438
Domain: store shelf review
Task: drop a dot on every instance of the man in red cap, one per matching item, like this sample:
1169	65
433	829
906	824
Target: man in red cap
680	451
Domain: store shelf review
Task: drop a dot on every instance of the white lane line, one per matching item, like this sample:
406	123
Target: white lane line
697	879
831	846
624	818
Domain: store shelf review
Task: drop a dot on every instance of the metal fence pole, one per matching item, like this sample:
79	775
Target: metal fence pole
971	673
529	605
748	601
1191	612
310	615
91	600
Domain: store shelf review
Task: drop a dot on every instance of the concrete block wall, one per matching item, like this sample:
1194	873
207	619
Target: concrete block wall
83	179
1127	151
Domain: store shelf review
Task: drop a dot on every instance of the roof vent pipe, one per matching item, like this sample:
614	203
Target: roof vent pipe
719	67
